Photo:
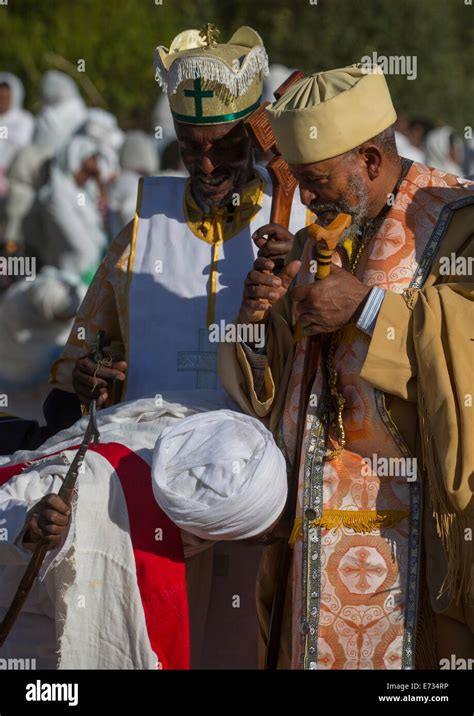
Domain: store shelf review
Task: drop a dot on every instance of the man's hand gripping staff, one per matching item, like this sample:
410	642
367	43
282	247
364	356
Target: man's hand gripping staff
269	279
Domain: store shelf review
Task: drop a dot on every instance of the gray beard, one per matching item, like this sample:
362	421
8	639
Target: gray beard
359	212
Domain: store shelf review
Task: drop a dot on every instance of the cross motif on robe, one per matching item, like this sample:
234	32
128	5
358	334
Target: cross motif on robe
198	93
203	361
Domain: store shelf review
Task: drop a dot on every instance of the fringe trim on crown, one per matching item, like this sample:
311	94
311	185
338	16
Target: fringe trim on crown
212	69
450	525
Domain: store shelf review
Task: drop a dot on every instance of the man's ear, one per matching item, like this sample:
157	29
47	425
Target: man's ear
372	158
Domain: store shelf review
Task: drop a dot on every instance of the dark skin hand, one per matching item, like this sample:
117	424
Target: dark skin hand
46	521
322	306
327	305
87	387
274	242
263	287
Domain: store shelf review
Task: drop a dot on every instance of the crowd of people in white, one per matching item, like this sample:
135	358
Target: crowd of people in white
68	185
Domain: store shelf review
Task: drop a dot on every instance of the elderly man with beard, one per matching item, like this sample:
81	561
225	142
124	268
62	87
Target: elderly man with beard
173	274
381	573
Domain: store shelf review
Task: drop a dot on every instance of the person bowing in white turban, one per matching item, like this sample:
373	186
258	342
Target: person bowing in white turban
165	483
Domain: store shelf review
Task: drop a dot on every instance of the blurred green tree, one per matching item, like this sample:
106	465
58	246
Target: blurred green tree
117	39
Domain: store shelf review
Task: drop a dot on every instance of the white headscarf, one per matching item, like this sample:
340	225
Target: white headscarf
219	476
19	123
63	111
16	87
102	126
277	74
35	320
162	119
408	150
71	157
138	157
56	87
74	236
438	147
139	153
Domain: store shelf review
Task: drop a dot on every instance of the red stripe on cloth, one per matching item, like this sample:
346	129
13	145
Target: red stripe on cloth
160	566
6	473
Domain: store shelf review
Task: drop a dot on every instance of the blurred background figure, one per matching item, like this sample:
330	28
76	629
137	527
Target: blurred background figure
35	320
16	124
28	172
138	157
469	158
406	148
63	110
102	127
162	123
278	75
418	130
72	235
171	162
444	150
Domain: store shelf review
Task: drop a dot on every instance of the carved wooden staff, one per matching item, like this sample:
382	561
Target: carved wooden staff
326	239
283	181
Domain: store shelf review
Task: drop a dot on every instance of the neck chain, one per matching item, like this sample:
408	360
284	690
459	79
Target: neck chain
337	400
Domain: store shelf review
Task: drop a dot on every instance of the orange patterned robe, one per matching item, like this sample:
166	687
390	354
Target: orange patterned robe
357	532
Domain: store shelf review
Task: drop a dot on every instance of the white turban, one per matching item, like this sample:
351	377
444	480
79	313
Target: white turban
219	476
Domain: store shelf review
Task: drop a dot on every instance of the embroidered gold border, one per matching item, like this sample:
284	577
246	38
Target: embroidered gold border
238	229
131	262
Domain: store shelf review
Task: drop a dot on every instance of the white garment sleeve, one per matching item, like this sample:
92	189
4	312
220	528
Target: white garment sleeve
17	497
370	312
12	522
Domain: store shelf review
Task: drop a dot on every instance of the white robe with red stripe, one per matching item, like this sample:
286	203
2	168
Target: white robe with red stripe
113	596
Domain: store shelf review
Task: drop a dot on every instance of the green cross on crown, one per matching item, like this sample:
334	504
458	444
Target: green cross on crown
198	93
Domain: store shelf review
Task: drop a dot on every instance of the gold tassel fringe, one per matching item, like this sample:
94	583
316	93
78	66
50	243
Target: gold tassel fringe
360	521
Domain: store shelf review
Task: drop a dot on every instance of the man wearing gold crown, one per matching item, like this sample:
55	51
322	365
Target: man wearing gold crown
178	268
174	272
381	574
